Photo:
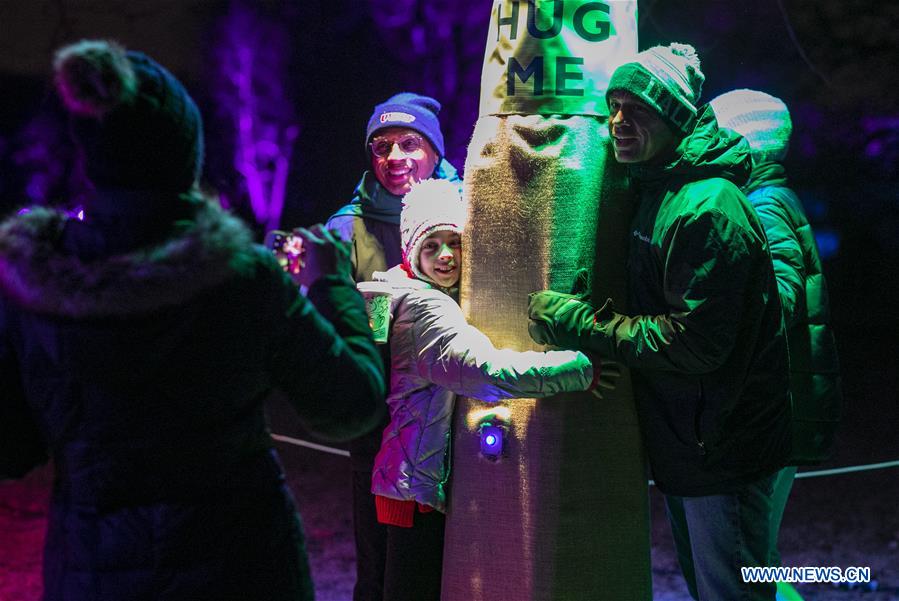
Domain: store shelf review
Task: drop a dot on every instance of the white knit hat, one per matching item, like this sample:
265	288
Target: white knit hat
432	205
667	78
760	118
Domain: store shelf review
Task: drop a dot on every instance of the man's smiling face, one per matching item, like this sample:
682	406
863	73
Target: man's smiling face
401	157
639	134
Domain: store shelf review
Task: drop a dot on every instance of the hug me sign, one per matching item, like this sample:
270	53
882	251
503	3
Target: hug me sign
559	53
589	20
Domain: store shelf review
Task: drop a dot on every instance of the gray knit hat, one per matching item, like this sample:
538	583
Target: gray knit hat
760	118
668	79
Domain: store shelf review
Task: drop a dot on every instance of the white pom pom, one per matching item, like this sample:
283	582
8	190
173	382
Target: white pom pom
93	77
695	76
688	52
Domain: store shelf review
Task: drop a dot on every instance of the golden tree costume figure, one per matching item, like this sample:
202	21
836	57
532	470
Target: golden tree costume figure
549	500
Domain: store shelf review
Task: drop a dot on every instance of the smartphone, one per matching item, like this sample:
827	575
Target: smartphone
287	248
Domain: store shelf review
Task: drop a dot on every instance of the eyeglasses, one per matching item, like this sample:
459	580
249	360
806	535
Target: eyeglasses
382	147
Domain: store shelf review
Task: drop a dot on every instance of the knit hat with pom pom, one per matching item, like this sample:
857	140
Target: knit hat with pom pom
668	79
135	123
432	205
760	118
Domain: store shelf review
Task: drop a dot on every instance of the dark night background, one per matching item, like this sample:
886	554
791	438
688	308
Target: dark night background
321	65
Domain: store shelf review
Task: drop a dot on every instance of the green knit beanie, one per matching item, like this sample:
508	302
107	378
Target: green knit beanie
668	79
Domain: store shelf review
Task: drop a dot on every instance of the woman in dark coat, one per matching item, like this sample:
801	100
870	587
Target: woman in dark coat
137	347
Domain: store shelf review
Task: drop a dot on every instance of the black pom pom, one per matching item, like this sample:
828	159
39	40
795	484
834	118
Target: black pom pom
93	77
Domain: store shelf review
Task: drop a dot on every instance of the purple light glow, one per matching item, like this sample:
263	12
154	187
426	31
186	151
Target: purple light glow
252	56
444	45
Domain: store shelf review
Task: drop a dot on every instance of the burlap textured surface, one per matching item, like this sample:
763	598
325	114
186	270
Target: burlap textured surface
563	513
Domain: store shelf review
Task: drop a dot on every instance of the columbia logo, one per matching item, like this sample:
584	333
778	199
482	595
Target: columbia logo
642	237
391	116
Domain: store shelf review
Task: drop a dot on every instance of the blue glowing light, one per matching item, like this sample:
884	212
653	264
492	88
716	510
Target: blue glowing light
491	440
828	242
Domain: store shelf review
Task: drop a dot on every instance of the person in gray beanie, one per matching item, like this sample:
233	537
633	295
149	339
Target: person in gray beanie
138	345
765	122
702	333
405	145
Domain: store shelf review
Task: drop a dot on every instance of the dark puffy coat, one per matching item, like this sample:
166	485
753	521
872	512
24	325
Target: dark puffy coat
705	335
145	349
814	365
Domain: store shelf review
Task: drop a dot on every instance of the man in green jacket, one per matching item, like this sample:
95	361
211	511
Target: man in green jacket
703	331
405	145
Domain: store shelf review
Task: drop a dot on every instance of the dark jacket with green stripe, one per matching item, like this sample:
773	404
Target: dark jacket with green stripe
705	333
814	366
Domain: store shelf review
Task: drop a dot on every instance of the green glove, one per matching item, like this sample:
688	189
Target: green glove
561	319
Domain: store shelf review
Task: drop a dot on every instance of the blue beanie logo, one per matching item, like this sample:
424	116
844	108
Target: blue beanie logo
391	116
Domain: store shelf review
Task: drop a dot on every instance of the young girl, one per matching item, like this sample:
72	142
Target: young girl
436	355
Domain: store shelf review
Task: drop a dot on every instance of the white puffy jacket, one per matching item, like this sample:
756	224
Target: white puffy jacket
435	355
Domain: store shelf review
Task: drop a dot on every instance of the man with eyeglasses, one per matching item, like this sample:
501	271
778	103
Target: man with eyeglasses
405	146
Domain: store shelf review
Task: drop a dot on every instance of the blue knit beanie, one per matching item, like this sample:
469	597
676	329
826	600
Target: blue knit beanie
411	111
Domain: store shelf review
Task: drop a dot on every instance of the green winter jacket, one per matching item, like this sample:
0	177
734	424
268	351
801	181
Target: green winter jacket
814	366
704	331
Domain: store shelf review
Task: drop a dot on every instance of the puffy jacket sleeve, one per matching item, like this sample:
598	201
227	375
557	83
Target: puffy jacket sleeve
325	359
786	251
453	354
22	445
342	226
711	269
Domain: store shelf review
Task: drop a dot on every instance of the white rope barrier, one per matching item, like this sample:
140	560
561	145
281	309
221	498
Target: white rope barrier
851	468
310	445
813	474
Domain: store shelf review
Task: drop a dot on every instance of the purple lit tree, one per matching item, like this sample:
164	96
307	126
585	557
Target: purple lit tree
45	163
251	54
